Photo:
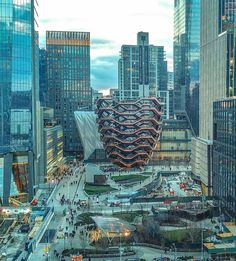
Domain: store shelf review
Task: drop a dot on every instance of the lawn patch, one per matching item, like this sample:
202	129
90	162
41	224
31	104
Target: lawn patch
92	189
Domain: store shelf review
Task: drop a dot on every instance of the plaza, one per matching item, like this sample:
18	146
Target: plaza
72	230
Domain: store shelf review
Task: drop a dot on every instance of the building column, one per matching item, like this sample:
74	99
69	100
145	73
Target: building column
7	176
31	175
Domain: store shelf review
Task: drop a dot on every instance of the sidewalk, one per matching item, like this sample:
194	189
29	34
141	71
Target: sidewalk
71	189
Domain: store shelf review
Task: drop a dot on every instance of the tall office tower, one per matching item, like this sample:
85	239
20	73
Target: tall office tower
42	76
217	61
186	56
217	81
18	99
68	81
224	158
142	69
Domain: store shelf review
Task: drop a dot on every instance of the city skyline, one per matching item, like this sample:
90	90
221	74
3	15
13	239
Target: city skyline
107	38
115	145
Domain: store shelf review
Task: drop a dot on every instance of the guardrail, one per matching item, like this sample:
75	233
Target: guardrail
44	225
179	199
39	234
181	247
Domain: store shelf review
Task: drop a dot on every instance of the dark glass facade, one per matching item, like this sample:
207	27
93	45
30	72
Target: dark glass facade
226	15
68	81
224	155
187	53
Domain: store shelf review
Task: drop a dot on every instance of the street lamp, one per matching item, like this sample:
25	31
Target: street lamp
125	234
202	248
120	247
175	250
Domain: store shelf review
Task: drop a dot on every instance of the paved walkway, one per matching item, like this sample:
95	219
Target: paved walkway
72	189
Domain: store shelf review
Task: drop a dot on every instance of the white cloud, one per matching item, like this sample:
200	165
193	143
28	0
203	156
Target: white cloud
117	21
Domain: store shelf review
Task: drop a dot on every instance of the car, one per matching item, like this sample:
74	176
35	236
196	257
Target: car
115	204
60	235
83	203
24	228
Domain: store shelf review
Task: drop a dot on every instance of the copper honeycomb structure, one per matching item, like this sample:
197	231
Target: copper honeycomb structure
129	130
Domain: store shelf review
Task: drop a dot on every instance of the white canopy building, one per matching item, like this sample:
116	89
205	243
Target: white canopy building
88	132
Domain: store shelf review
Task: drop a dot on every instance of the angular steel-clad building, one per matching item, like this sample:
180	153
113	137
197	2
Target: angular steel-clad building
88	132
129	129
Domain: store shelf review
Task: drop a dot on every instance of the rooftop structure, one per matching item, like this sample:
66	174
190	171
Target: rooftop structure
113	227
227	247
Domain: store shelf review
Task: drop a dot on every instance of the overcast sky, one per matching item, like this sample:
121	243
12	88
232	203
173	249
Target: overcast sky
111	24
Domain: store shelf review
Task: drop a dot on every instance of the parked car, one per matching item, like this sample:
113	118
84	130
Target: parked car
24	228
115	204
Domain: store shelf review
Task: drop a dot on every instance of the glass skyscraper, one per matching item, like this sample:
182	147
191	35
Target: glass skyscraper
187	55
42	76
142	69
68	81
18	97
224	155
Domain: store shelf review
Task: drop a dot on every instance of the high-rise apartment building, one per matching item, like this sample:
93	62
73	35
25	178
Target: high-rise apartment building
142	69
170	82
186	55
18	99
68	80
164	99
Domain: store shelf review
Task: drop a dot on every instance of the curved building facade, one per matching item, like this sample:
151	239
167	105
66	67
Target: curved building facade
129	130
